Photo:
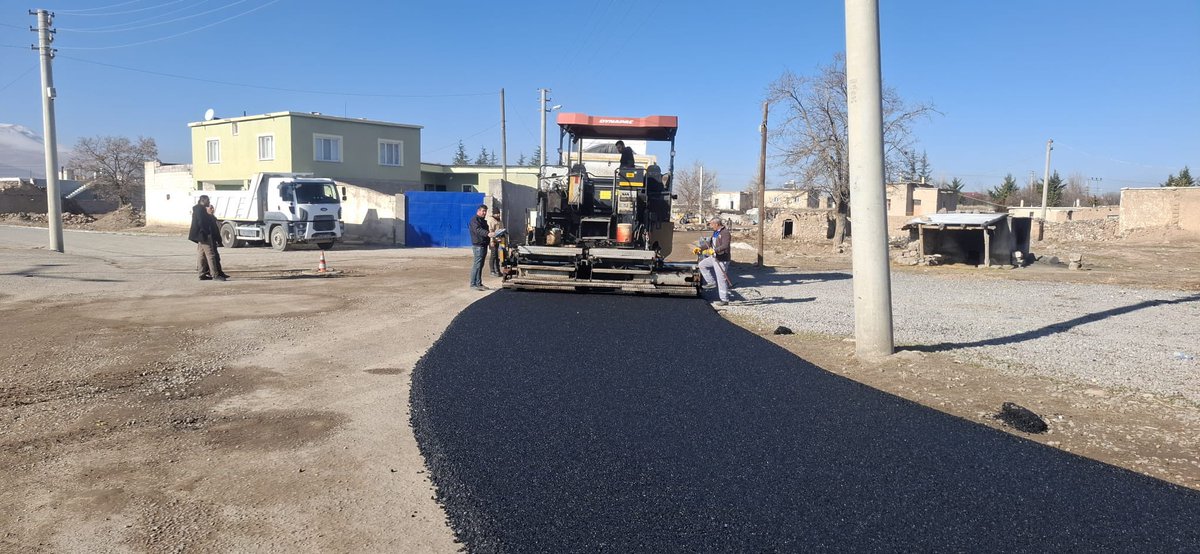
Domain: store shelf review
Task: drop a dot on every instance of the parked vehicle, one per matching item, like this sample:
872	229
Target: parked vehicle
281	209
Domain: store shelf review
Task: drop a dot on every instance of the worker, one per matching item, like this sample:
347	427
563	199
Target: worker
714	269
626	154
494	225
480	238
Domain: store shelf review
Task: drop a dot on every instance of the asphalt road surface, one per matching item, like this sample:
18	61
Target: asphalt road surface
559	422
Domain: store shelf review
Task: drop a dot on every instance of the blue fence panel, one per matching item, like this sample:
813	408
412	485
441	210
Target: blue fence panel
439	218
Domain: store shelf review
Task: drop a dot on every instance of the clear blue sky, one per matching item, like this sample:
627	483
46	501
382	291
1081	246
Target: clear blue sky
1115	84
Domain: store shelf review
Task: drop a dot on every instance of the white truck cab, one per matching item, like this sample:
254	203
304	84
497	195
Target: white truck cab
281	209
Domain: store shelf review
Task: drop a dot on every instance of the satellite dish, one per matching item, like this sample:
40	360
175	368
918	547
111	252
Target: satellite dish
209	114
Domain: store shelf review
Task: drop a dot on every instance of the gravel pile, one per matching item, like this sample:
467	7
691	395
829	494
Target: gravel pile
1111	336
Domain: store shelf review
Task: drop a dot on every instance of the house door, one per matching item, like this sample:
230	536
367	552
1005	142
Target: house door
439	218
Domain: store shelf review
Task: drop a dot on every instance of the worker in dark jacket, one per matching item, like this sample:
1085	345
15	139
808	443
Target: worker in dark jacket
626	154
480	239
715	268
207	236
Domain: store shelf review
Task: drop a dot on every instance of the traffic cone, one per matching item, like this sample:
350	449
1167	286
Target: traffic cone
321	268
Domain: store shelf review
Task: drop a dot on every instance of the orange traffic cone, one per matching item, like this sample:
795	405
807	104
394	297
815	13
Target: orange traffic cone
321	268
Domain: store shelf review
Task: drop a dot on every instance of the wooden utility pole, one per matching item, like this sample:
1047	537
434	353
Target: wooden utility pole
762	185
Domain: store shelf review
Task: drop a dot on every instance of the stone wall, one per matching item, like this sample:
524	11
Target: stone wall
18	195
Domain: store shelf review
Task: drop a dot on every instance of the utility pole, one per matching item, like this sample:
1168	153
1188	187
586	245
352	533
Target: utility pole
542	144
1045	189
700	197
864	101
762	185
53	200
503	141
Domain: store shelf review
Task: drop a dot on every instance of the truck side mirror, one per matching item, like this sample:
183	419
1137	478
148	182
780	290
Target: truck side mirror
343	194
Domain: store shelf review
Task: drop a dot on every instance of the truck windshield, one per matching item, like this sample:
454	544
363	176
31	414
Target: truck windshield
316	193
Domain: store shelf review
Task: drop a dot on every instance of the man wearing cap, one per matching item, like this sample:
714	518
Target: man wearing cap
714	268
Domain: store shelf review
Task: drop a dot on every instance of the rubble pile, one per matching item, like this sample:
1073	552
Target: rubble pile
1089	230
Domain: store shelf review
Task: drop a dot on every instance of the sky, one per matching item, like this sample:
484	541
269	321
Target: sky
1115	84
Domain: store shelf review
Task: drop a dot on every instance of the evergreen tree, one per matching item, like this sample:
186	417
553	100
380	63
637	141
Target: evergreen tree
460	156
955	185
537	156
1055	193
1001	194
492	159
1183	180
910	167
482	158
521	161
924	172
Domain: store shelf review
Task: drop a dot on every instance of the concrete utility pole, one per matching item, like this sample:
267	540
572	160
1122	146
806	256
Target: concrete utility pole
864	99
53	199
1045	189
762	185
542	144
700	197
503	141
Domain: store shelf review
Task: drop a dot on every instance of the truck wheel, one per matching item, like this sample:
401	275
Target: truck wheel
325	245
229	235
279	238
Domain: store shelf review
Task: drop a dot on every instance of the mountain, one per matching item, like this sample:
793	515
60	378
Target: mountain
22	152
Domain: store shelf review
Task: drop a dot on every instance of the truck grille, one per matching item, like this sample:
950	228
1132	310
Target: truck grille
323	223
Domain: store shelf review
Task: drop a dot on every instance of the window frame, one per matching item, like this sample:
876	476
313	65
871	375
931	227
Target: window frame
380	143
322	136
258	141
208	146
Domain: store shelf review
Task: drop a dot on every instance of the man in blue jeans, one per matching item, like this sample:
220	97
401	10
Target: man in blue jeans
481	238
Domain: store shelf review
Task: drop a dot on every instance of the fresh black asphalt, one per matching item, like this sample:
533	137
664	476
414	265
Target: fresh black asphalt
564	423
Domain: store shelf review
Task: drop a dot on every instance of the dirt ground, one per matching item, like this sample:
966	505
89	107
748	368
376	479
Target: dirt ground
143	410
1150	434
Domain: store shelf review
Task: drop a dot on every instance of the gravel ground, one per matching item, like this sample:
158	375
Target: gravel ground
1113	336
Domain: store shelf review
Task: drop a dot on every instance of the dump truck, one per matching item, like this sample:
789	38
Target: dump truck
280	209
598	226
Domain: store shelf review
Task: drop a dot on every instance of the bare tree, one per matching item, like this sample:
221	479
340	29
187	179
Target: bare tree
114	167
751	190
687	187
1076	190
814	134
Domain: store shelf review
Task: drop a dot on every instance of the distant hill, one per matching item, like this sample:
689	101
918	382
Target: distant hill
22	152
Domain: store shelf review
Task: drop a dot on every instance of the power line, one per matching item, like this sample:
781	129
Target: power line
494	125
278	89
201	28
121	27
19	77
82	13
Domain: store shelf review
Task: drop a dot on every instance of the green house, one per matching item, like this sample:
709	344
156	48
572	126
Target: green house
386	157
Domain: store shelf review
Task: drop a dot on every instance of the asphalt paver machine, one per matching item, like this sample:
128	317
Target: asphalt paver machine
598	226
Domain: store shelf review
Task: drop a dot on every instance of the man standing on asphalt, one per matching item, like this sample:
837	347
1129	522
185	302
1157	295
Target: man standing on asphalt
480	238
205	233
716	266
494	225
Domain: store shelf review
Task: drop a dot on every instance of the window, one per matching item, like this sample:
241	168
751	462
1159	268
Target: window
391	152
235	128
214	151
327	148
468	188
435	188
266	147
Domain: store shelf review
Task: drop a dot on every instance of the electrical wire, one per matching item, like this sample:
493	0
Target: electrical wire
160	39
81	13
278	89
19	77
455	143
134	26
102	28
